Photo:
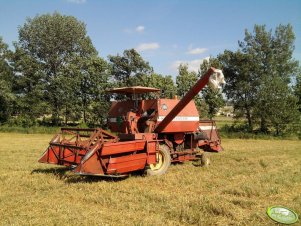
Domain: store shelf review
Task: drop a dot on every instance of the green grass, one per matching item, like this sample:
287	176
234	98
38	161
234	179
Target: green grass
223	124
236	189
223	120
29	130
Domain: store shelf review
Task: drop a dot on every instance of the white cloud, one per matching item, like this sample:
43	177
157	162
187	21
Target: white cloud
196	51
77	1
140	29
193	65
147	46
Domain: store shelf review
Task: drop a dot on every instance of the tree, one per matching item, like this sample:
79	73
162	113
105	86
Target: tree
6	95
185	80
241	84
277	104
94	76
213	98
129	69
271	57
164	83
263	57
28	86
297	89
56	45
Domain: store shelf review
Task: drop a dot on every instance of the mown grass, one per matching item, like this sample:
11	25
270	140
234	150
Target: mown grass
236	189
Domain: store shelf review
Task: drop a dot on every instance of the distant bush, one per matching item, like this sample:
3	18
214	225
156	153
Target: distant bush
242	131
22	121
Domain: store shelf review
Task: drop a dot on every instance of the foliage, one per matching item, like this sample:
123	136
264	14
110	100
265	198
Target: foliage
202	107
276	104
185	80
264	59
213	98
6	95
93	76
59	71
297	88
241	85
164	83
129	69
28	85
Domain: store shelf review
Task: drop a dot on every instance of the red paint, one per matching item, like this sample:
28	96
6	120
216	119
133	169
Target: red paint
175	122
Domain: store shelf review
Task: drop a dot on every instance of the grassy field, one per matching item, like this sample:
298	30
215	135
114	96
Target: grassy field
236	189
223	120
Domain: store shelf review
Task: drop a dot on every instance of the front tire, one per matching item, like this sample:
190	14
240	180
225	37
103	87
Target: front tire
205	160
163	162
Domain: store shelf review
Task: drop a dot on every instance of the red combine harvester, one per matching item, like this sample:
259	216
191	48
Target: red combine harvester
152	133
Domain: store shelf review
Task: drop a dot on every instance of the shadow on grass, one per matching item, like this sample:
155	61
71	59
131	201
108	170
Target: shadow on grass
71	179
58	172
62	174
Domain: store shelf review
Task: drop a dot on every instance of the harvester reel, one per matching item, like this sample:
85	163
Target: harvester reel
163	162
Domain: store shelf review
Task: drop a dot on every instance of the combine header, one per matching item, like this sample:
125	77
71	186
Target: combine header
152	133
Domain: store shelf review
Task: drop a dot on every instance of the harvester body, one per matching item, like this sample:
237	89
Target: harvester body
151	133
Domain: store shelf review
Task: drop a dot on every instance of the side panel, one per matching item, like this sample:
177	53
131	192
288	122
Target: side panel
186	121
126	164
122	147
151	152
51	155
114	158
91	166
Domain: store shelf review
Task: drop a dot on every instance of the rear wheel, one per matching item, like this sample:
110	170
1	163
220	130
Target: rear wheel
163	162
202	160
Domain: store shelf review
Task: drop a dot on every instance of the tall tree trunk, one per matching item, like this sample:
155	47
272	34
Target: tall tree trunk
248	116
263	125
66	115
84	109
56	113
277	130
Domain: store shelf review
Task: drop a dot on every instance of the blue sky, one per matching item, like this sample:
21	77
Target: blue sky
165	32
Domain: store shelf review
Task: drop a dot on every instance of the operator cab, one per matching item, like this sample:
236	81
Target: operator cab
133	115
135	93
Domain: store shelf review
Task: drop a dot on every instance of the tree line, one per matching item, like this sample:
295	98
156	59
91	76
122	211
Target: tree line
55	76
